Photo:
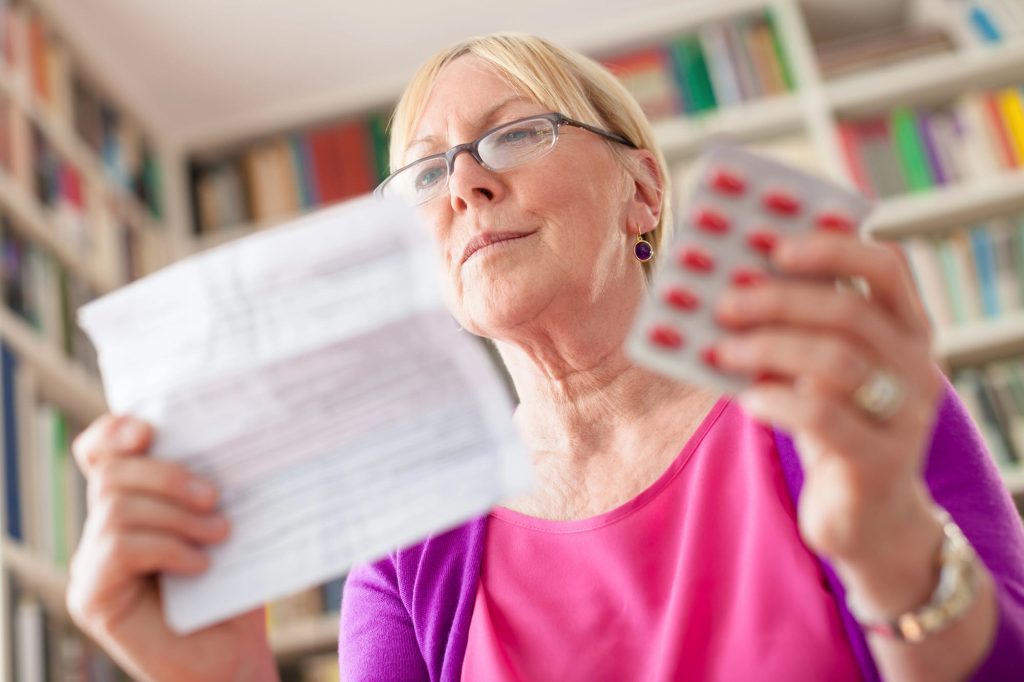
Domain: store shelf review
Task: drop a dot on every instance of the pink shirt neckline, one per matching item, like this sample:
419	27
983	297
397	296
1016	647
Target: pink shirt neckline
627	508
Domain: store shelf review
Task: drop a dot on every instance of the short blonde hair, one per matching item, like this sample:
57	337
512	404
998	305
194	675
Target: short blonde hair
560	79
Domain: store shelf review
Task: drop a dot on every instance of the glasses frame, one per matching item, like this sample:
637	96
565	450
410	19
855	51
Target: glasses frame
473	149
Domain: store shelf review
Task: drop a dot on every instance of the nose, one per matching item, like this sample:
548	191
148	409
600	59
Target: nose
471	184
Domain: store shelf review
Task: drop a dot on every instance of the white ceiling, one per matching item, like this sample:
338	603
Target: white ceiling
188	67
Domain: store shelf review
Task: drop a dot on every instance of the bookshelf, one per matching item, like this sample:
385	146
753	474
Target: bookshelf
811	112
80	215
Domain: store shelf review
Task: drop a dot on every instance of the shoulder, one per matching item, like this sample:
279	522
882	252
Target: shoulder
413	605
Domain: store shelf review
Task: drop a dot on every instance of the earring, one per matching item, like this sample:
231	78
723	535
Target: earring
643	249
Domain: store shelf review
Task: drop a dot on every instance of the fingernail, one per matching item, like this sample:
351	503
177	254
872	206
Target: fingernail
200	490
130	433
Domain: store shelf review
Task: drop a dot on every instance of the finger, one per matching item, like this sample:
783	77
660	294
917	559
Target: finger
141	512
142	551
836	255
838	365
168	480
819	306
834	424
110	437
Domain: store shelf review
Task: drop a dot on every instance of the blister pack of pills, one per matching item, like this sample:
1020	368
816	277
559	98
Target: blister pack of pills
731	213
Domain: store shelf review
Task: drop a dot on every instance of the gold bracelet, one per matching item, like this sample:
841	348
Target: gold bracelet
956	591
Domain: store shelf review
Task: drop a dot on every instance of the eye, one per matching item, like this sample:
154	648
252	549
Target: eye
517	137
429	177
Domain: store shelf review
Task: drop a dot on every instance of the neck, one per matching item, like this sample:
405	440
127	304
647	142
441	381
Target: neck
589	399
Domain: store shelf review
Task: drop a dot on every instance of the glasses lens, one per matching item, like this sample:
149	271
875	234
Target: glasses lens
517	143
420	182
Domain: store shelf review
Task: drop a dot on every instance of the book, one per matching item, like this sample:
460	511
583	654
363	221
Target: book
692	71
1011	108
985	267
1008	271
721	68
848	55
910	150
649	77
922	254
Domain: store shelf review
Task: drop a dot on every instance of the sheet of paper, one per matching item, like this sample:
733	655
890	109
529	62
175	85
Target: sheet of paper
314	374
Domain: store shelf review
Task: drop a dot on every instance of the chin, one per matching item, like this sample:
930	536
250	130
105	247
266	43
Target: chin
491	315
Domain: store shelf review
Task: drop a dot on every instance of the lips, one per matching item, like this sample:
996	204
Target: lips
486	238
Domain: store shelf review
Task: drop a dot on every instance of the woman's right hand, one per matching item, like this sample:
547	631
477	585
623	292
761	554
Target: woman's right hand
148	516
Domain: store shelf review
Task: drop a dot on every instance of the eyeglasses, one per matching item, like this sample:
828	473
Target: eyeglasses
499	149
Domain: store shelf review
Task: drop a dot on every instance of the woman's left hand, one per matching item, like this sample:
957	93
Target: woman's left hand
863	493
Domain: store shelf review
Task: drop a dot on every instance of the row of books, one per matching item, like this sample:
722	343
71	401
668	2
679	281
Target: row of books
915	149
994	396
37	61
37	289
723	63
970	275
45	499
992	21
90	224
283	176
48	649
41	173
850	54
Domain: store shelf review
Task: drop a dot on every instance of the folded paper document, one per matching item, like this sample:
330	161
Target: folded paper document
312	372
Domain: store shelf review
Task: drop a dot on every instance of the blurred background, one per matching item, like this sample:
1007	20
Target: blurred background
135	134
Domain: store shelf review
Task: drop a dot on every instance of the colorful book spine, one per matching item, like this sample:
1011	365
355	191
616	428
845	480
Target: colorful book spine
1011	107
985	267
12	495
692	72
910	150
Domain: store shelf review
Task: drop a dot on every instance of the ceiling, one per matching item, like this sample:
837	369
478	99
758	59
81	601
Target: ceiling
192	67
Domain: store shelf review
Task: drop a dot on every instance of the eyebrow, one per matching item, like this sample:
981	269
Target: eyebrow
488	117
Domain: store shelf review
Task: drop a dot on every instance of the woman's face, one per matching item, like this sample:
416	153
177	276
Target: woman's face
568	212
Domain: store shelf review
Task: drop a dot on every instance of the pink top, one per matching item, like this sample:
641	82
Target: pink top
702	575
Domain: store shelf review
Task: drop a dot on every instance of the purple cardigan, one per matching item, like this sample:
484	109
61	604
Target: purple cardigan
407	616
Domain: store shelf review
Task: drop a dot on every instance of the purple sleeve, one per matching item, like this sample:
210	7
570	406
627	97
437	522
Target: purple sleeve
376	638
964	479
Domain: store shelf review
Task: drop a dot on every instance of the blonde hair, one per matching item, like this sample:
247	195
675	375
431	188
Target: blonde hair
560	79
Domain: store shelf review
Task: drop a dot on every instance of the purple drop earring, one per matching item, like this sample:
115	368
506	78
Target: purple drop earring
643	249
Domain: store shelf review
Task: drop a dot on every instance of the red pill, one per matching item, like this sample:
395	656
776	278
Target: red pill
728	182
762	241
835	222
695	259
666	337
711	221
782	203
683	299
710	356
747	277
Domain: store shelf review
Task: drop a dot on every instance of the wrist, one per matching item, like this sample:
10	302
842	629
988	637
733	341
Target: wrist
959	574
899	569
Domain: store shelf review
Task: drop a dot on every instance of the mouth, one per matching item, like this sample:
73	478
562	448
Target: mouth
486	239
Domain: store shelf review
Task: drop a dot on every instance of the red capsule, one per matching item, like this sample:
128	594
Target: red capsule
710	357
747	277
782	203
835	222
695	259
762	241
711	221
682	299
728	182
665	336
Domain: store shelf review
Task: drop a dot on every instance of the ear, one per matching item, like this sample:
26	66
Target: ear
647	190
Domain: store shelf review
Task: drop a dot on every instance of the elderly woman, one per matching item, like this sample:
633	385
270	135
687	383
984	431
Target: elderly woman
673	533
